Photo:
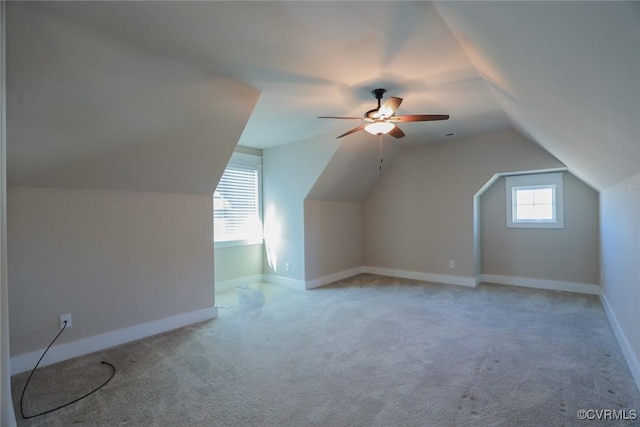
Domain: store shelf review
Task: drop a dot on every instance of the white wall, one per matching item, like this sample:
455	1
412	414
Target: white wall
620	253
333	237
568	254
233	263
354	168
420	215
237	262
89	110
7	416
112	259
289	173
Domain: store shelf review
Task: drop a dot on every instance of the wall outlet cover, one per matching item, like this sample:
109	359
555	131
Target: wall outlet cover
67	318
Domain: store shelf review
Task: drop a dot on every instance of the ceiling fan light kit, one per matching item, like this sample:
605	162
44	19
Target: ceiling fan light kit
381	120
379	128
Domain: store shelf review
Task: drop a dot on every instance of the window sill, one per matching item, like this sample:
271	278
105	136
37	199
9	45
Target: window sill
230	243
535	225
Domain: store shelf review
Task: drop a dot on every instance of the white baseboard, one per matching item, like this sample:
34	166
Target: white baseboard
553	285
325	280
284	281
58	353
229	285
427	277
627	350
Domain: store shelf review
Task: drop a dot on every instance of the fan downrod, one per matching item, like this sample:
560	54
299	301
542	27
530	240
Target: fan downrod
378	93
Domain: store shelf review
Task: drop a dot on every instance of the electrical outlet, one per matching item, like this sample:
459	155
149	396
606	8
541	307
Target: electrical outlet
67	318
452	264
287	266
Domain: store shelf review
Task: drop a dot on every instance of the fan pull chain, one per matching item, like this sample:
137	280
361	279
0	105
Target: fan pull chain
380	149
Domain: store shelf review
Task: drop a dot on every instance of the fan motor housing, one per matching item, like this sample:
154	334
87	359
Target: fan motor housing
371	114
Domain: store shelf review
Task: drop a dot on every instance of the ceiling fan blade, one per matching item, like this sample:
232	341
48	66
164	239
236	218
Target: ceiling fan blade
396	132
345	118
389	107
354	130
419	118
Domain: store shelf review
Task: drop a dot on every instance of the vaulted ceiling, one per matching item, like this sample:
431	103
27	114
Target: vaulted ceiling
565	74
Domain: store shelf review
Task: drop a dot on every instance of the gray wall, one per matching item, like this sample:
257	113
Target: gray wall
420	215
620	237
333	237
112	259
568	254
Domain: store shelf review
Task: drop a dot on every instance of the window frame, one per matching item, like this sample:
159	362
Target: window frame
553	181
244	161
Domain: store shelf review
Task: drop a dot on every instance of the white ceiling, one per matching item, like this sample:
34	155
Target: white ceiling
563	73
566	73
313	58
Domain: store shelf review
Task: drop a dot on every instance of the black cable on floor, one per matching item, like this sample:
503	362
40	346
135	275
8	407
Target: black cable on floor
26	417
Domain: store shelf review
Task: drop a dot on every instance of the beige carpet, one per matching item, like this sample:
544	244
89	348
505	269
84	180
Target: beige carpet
368	351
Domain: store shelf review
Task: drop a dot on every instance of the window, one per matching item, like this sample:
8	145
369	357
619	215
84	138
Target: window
237	203
535	201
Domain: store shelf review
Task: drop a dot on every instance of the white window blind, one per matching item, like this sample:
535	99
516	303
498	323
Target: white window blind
237	202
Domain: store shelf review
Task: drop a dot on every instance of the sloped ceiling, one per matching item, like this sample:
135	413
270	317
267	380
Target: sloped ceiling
563	73
312	58
86	110
305	58
566	73
355	168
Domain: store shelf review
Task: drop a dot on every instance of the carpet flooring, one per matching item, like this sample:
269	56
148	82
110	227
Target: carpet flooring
366	351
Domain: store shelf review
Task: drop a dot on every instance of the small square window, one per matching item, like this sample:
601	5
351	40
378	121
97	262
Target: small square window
535	201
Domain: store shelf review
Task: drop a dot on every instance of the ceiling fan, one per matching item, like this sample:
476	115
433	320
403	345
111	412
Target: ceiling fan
382	120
